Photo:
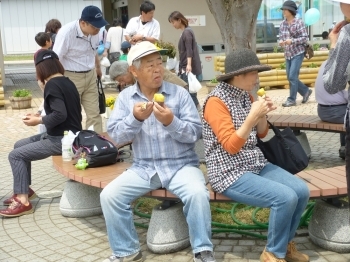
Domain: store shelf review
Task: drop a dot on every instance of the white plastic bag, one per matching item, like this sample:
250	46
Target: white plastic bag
105	62
193	83
171	63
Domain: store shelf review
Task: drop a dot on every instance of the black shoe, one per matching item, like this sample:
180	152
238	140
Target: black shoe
289	103
307	96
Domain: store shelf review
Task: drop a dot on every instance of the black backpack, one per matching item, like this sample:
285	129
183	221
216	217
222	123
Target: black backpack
98	150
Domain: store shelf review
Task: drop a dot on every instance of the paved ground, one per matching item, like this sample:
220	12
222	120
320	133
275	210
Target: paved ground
48	236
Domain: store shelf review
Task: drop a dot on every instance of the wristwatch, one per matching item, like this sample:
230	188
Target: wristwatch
144	38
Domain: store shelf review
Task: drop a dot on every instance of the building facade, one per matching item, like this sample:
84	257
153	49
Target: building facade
20	20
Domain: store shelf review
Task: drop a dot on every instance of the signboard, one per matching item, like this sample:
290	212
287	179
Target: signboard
196	20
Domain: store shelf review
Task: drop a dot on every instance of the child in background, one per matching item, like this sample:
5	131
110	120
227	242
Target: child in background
125	47
43	40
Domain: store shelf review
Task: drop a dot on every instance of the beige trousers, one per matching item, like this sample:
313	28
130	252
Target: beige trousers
87	89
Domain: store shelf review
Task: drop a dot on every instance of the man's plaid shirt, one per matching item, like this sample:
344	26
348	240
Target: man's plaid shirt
296	31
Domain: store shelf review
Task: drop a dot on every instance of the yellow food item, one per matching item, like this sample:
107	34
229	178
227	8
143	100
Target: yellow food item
158	98
261	92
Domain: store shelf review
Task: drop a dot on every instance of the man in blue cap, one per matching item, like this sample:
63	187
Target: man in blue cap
76	46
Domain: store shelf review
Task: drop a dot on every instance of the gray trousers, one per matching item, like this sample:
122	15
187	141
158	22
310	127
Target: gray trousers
333	114
30	149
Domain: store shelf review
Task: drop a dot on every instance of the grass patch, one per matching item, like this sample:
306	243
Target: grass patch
220	212
18	57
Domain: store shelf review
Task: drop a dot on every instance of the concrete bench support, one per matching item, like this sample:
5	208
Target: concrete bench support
301	136
168	230
80	200
329	227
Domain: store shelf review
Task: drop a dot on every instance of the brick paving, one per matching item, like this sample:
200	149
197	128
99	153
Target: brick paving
48	236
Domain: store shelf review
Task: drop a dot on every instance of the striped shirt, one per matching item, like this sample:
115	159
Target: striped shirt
157	148
296	31
337	70
76	51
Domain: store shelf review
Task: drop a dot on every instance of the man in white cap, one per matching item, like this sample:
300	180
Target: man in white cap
76	46
164	137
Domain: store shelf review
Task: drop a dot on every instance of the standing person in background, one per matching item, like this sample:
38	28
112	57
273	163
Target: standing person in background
114	40
76	46
292	38
52	27
143	27
188	51
331	107
336	71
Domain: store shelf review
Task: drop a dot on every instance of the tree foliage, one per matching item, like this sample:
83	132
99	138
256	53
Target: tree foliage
237	21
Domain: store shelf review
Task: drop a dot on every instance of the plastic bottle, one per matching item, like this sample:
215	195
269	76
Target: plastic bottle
66	148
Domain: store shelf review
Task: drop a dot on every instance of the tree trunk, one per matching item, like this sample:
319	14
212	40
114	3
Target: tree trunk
237	21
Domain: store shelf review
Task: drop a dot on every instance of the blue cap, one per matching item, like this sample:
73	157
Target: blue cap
125	45
93	15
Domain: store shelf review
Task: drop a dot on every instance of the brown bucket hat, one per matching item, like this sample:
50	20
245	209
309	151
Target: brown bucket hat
241	61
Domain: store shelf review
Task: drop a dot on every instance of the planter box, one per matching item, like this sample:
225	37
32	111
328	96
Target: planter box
21	102
210	86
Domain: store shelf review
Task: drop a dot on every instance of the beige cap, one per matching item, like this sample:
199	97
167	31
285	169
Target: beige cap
141	49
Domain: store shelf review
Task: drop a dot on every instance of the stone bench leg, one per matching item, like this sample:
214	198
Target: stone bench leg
168	229
329	227
80	200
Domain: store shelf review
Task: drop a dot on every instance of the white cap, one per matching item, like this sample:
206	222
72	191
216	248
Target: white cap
141	49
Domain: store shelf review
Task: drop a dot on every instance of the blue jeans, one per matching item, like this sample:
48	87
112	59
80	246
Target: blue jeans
295	86
333	114
188	184
285	194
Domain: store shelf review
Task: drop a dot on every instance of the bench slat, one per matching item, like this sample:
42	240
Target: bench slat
306	122
325	188
315	192
339	185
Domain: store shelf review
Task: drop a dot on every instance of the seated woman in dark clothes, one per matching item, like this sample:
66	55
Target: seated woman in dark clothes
63	112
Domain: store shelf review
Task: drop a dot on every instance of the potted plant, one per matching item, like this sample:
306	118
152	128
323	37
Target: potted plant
21	99
169	49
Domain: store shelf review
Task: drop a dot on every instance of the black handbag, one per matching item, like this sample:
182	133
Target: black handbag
309	51
284	150
101	96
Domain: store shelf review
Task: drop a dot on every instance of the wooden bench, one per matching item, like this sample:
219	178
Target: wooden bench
322	183
305	122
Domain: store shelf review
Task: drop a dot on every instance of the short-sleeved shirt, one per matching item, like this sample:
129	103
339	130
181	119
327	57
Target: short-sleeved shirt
150	29
116	38
76	51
